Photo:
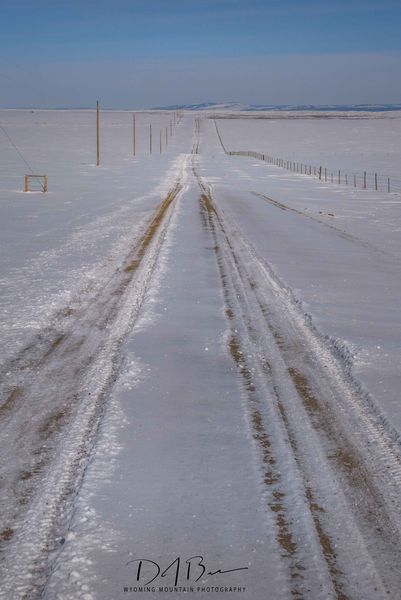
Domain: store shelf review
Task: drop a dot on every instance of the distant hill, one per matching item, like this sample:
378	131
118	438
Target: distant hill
283	107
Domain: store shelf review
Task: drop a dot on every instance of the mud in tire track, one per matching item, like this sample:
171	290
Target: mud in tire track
330	469
54	394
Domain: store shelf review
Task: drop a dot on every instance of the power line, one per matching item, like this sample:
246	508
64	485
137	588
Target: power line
16	148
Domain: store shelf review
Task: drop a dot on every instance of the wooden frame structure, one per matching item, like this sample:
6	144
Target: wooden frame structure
41	178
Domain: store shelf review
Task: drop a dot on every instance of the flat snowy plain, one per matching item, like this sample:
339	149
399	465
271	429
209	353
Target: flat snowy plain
200	360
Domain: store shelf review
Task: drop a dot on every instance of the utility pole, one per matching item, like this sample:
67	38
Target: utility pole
133	135
97	135
150	138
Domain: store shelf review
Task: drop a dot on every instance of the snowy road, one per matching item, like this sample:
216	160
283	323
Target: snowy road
192	414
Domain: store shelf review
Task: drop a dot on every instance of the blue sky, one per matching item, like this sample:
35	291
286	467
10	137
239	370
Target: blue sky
133	53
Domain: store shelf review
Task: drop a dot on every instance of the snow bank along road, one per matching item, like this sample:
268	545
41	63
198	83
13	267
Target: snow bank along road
211	406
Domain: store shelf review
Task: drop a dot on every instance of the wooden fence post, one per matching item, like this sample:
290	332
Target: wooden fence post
364	180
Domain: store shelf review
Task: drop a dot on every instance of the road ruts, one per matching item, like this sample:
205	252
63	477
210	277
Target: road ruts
54	394
330	472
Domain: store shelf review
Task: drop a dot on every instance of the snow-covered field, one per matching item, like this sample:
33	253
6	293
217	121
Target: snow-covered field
349	142
54	244
200	360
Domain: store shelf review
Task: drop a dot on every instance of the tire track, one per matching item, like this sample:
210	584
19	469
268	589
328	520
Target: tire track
330	469
269	449
55	392
343	234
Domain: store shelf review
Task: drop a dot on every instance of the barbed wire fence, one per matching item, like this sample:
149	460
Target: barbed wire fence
358	179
